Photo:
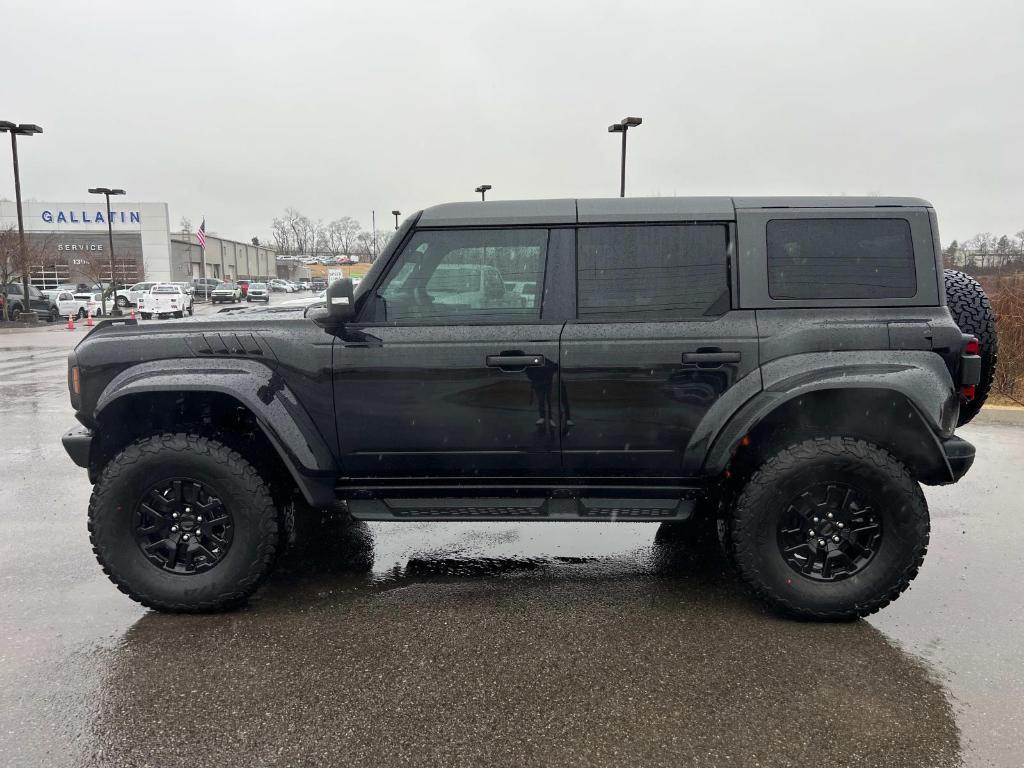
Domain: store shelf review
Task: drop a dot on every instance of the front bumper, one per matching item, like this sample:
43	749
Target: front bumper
959	456
78	442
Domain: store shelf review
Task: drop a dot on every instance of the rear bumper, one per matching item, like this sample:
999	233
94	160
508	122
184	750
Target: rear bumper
78	442
959	455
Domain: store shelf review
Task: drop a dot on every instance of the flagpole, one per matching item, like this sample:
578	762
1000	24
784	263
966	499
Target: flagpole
203	246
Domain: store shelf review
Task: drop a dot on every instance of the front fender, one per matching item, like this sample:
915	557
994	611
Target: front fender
279	414
921	377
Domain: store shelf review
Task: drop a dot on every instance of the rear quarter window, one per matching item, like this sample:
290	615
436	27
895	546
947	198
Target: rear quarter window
840	259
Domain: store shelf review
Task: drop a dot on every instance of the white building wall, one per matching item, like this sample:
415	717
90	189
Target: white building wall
68	217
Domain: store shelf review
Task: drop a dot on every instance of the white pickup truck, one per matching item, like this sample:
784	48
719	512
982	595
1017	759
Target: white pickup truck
164	299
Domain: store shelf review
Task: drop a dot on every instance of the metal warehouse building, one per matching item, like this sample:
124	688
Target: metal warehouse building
225	259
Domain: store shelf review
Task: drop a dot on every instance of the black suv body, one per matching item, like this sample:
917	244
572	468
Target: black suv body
785	369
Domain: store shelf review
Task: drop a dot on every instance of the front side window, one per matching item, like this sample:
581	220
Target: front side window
840	259
652	272
467	275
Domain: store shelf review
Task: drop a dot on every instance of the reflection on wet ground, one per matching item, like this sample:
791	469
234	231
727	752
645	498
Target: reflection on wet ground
495	644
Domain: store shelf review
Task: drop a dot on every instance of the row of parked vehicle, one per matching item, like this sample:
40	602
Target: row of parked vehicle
51	304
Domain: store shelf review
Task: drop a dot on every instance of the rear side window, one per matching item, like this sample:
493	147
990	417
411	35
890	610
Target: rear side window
652	272
840	259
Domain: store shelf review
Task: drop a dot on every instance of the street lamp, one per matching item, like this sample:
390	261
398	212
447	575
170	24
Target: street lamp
621	127
482	189
396	214
28	315
115	311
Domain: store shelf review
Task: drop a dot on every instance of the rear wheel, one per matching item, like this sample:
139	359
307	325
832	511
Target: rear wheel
54	315
81	313
972	311
182	523
122	301
146	315
830	528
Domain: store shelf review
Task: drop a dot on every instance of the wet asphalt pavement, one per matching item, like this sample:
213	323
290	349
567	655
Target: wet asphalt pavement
473	644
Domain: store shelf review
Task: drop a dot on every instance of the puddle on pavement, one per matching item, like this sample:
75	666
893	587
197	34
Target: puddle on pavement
494	644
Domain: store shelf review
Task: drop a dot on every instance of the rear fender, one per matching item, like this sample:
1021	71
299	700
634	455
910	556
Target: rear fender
904	400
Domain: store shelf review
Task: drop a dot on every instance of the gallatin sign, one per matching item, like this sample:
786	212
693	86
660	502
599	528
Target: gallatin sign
83	217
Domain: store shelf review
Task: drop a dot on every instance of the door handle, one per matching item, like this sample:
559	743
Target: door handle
515	362
711	358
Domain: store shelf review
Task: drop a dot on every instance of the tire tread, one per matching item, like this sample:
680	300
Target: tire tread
264	513
761	487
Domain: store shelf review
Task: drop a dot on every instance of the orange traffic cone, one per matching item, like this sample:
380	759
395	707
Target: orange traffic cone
133	314
88	319
71	322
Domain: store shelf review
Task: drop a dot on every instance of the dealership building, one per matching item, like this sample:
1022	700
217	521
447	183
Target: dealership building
69	243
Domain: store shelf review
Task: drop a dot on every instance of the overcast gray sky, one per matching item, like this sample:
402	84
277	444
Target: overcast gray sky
236	110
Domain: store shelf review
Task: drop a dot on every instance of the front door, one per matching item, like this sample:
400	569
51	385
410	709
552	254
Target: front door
451	370
654	345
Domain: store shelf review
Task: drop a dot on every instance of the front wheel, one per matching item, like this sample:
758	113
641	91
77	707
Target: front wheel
146	315
828	529
183	524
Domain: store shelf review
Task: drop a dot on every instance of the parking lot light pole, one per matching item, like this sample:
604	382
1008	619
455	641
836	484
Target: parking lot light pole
621	127
27	315
482	189
396	214
106	192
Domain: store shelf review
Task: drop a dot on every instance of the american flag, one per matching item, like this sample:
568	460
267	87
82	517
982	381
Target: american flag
201	235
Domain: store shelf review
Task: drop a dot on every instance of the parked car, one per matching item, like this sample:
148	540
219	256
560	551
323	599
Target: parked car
281	286
203	286
226	293
67	303
258	292
93	302
163	300
36	302
317	284
131	294
692	362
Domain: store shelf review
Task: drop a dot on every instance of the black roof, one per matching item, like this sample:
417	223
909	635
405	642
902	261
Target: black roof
617	209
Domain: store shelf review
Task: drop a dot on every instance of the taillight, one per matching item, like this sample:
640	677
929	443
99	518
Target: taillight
967	392
972	347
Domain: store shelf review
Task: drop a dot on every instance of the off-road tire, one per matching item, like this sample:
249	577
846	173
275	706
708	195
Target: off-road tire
751	524
243	492
972	311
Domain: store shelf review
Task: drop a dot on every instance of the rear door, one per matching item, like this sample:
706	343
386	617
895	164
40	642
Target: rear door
654	346
450	371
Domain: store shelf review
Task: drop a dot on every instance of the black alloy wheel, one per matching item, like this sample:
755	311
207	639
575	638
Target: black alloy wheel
182	526
829	532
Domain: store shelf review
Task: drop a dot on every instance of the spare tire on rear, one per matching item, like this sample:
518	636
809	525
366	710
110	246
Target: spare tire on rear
973	313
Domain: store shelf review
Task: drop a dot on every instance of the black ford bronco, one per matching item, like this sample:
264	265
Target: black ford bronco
784	370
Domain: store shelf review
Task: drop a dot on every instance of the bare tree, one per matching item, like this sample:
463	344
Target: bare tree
8	261
340	236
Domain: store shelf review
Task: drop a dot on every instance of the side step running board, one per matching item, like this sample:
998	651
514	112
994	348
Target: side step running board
505	508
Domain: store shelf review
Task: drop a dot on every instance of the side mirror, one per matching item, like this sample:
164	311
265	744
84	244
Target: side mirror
341	305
